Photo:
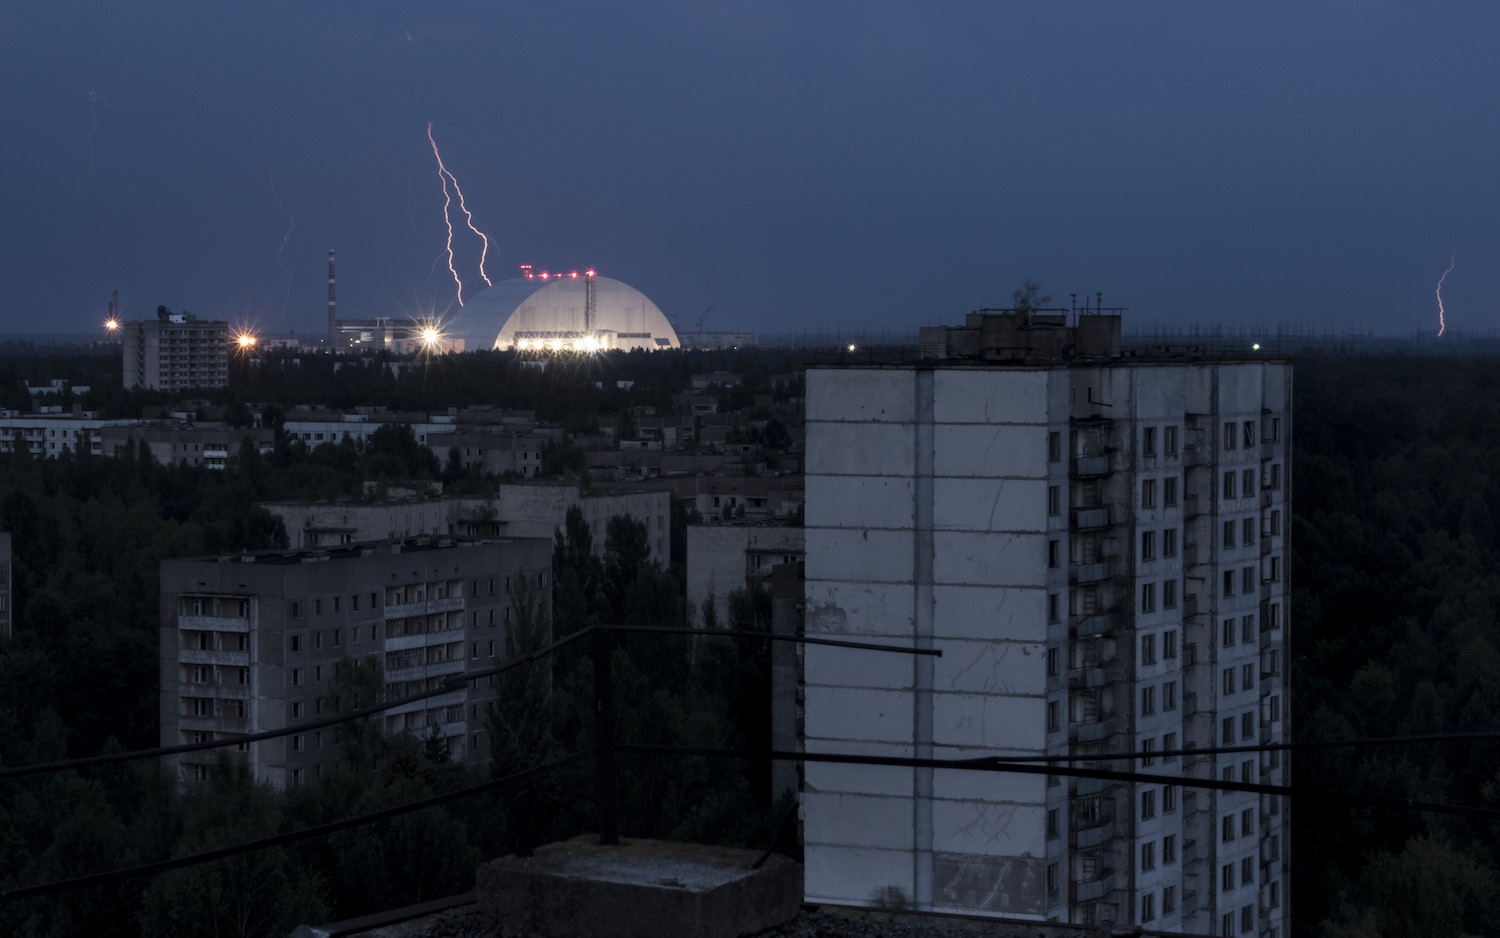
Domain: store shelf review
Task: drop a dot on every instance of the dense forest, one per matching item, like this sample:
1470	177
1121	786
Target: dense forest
1396	631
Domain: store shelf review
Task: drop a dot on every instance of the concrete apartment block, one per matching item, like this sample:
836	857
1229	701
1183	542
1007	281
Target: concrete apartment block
1095	538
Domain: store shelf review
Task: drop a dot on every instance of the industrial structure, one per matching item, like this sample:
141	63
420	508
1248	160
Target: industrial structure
175	352
1095	538
573	311
252	642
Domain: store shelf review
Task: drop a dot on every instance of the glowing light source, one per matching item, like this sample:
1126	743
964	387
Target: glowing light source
245	340
1255	347
851	346
111	325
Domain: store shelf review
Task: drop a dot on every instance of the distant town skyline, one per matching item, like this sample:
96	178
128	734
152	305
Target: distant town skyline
773	168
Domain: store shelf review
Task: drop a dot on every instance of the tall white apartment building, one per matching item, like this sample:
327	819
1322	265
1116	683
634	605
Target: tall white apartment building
250	642
175	352
1095	537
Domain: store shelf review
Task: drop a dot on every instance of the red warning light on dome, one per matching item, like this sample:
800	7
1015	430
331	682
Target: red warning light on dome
591	273
573	274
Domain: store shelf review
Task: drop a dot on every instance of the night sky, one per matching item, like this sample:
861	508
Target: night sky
820	165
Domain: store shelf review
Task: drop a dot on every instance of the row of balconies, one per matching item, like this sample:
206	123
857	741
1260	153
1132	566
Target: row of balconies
213	623
425	607
203	656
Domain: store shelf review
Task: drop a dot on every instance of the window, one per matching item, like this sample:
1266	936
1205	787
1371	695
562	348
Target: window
1054	720
1247	917
1247	531
474	650
1228	583
1169	440
1226	925
1247	822
317	607
1052	553
1169	594
1169	491
1169	849
1052	826
1148	648
1226	828
1148	752
1054	505
1229	435
338	637
1169	742
1053	880
1273	616
1227	731
1053	615
1274	482
337	602
318	673
354	603
1247	629
1228	632
1148	545
317	641
1169	542
1247	676
296	677
1148	901
1148	493
1273	429
1054	446
1226	880
1273	570
1249	434
1168	898
299	743
1247	871
1148	804
296	710
1229	484
1275	521
1228	535
1148	700
1247	725
1247	482
1169	643
1148	597
1148	442
1053	657
296	609
1169	798
1226	681
1169	696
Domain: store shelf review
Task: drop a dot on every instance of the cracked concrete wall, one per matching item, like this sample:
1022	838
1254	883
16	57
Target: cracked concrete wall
958	840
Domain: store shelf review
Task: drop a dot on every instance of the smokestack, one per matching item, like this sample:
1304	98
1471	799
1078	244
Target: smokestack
333	326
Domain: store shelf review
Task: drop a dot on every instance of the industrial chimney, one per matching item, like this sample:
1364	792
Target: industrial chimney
333	325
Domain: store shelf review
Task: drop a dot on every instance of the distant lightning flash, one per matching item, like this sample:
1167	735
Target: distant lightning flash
448	177
291	224
1441	323
447	220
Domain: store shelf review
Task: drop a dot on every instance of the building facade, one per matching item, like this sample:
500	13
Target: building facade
175	352
250	642
1095	537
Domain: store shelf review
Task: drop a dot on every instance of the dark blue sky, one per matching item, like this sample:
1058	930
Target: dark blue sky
828	165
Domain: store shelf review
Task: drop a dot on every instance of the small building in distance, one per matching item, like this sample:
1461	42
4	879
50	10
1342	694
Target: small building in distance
250	643
175	352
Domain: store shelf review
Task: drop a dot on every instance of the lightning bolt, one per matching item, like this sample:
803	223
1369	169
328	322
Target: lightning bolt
447	177
447	220
1441	323
291	223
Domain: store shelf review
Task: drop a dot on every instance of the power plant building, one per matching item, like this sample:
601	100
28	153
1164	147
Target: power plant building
1096	539
557	312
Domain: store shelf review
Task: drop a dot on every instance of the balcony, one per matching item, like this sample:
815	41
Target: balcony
1101	623
1091	572
1095	889
1088	466
423	639
1094	732
1087	678
426	607
239	659
421	671
1097	836
1086	518
213	623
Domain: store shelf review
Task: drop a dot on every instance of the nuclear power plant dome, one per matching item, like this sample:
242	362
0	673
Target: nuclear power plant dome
557	312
